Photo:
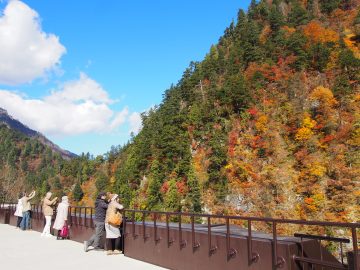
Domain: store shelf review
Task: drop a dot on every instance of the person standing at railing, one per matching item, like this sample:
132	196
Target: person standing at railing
112	225
61	215
25	200
19	211
101	206
48	213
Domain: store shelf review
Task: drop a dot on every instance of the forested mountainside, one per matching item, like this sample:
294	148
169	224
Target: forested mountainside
268	124
25	163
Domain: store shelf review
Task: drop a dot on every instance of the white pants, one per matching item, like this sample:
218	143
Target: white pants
46	230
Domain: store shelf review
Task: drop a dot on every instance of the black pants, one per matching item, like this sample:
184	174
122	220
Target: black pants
18	222
113	243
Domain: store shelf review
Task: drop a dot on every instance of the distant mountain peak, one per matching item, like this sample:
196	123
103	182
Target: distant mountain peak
15	124
12	123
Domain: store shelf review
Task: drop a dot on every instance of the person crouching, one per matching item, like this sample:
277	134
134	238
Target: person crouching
113	221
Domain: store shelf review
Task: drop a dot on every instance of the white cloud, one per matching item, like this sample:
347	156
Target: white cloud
120	118
135	122
86	89
26	52
79	107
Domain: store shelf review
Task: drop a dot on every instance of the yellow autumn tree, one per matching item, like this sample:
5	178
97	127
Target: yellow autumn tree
261	123
306	131
324	96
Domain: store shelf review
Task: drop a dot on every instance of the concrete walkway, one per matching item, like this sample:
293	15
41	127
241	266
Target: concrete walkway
27	250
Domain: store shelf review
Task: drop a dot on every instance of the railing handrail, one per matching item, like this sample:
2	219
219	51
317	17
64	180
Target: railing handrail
263	219
246	218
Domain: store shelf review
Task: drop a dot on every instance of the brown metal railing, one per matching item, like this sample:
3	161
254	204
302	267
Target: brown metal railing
253	256
83	216
303	259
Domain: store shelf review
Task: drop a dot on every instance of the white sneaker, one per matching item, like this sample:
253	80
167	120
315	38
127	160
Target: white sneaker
86	246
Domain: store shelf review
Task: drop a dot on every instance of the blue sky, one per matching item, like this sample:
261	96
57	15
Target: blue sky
82	71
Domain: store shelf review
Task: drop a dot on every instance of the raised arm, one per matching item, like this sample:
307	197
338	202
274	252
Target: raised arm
48	202
54	200
32	195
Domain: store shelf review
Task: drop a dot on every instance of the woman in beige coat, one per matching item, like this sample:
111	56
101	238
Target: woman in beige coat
48	212
113	230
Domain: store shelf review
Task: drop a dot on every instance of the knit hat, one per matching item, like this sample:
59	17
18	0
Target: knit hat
102	193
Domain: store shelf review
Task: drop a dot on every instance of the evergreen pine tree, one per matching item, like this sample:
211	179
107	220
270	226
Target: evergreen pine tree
154	197
57	183
276	19
298	15
45	187
101	182
78	192
327	6
172	199
194	194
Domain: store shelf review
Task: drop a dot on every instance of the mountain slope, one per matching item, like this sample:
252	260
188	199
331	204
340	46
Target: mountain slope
14	124
267	124
28	161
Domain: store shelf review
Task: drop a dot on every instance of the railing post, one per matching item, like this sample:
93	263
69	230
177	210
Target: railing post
195	244
231	252
76	219
124	226
133	225
91	219
212	249
85	216
355	247
182	243
253	257
279	261
170	241
70	216
156	238
81	217
145	236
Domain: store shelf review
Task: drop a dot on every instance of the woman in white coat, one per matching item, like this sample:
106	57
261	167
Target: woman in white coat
62	214
18	212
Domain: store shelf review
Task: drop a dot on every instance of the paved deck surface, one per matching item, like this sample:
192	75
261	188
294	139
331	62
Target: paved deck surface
27	250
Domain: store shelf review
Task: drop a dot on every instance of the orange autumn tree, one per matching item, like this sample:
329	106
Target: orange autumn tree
350	42
319	34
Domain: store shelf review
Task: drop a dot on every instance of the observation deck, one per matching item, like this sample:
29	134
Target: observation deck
188	241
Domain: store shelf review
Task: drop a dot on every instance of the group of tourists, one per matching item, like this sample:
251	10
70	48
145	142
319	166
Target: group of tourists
23	213
107	221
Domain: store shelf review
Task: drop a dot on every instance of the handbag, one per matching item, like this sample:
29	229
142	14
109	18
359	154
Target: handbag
115	219
64	233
